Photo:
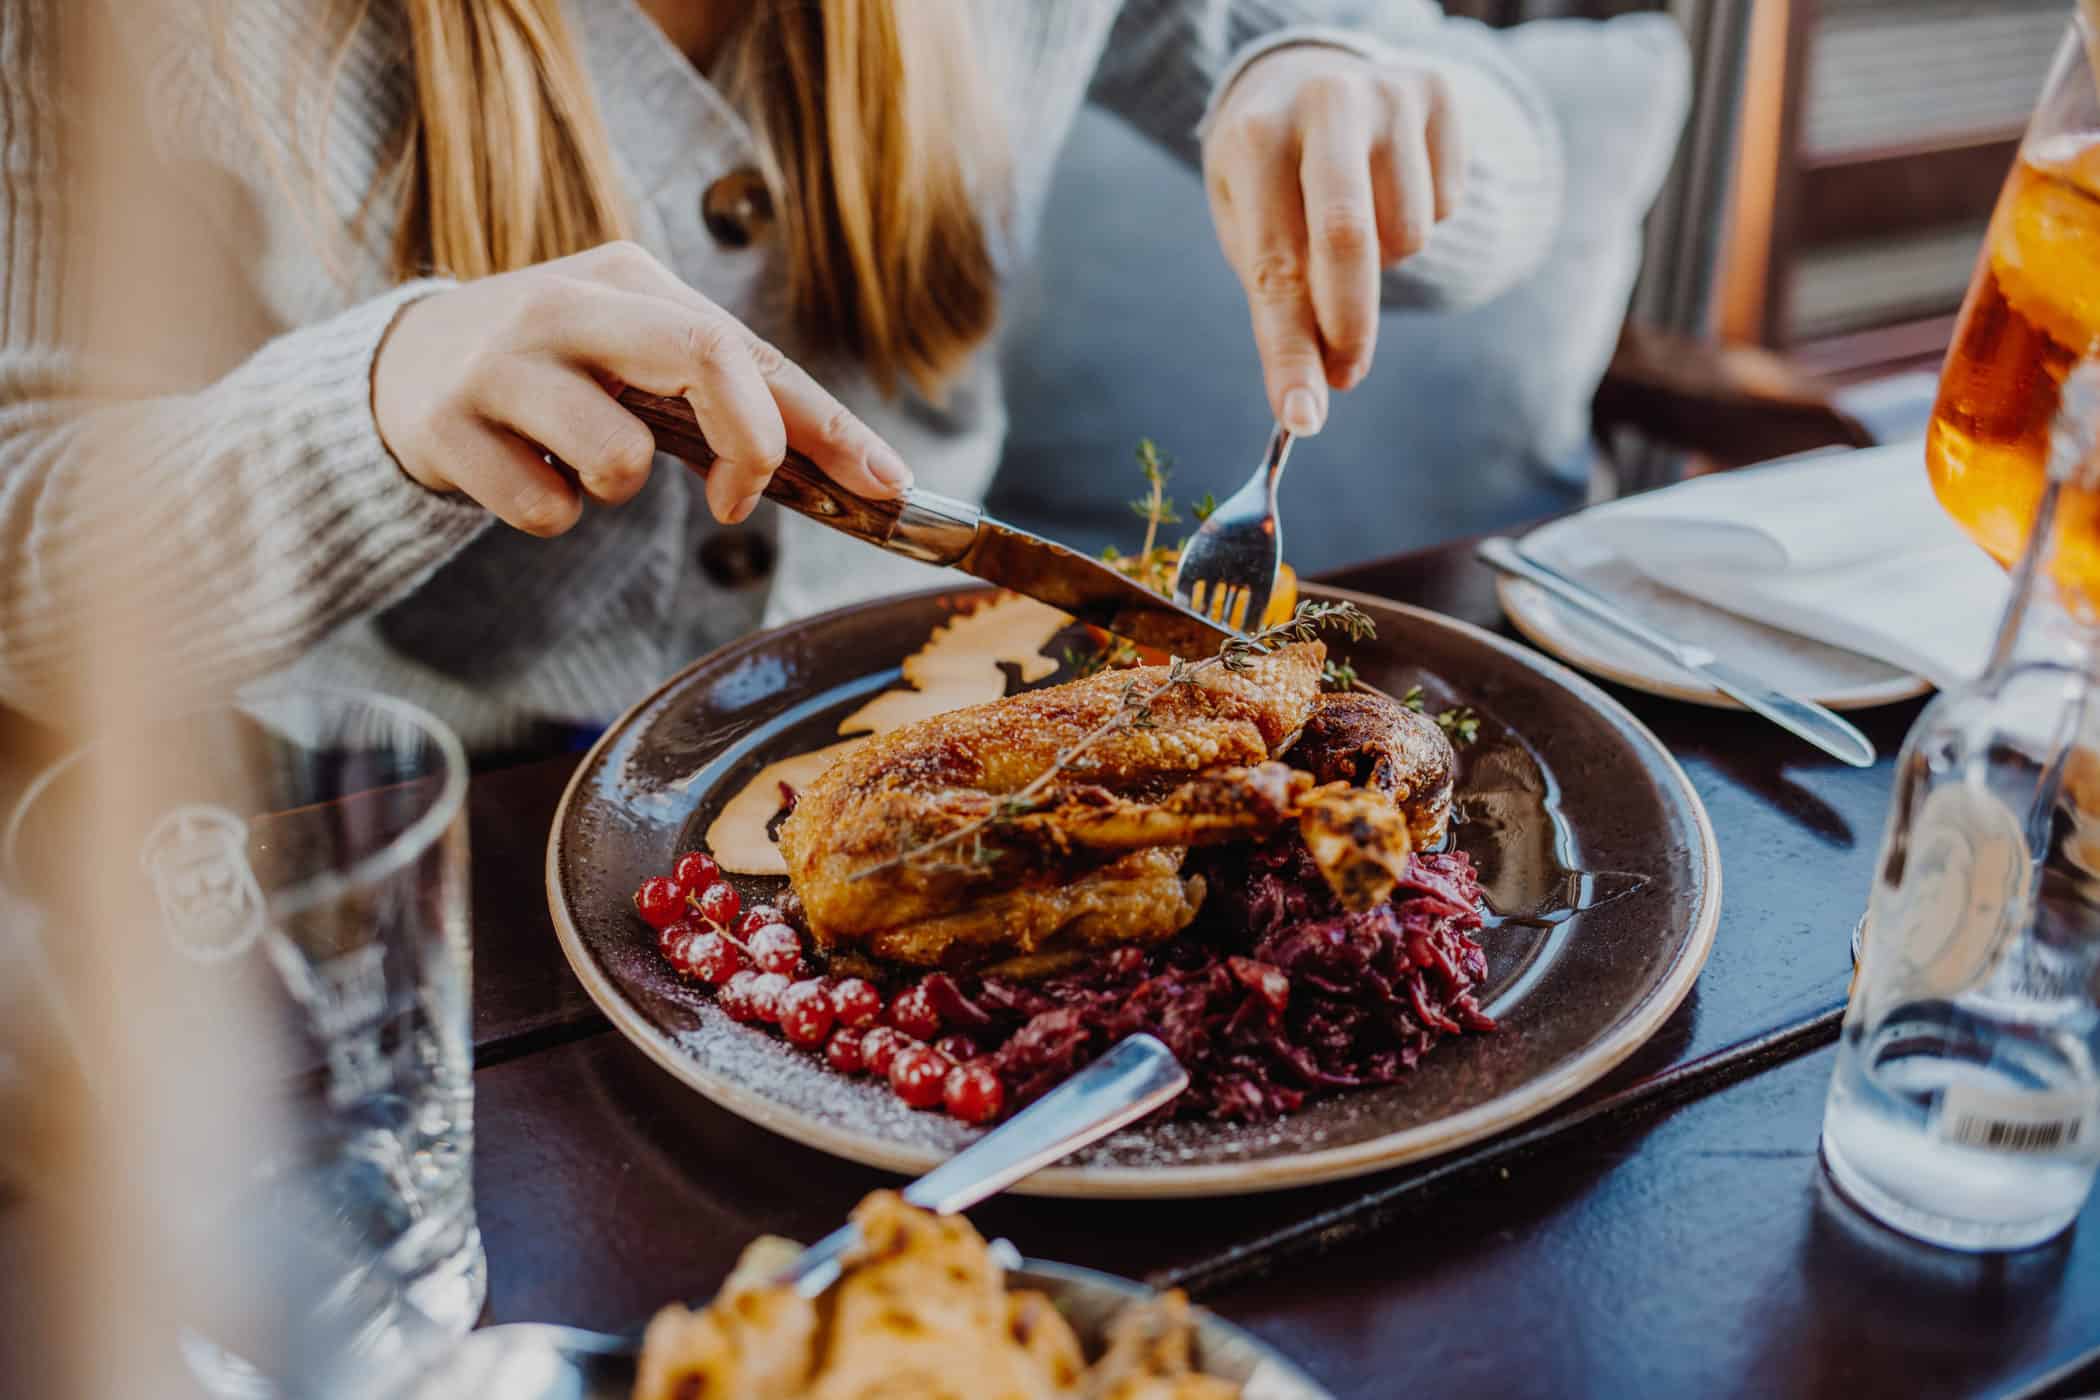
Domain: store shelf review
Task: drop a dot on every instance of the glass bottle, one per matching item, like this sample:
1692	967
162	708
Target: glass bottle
1965	1107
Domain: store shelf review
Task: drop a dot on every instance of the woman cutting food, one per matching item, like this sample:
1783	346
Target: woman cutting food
409	251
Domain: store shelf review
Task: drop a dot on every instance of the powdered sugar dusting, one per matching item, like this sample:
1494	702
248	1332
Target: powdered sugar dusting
735	1061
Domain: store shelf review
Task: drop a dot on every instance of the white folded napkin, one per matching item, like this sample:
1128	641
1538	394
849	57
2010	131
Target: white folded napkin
1847	548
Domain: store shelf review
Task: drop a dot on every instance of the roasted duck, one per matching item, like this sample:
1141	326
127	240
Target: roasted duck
1371	741
936	845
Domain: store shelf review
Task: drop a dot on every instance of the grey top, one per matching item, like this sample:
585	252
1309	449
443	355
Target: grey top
264	529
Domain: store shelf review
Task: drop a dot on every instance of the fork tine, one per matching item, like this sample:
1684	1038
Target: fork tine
1257	596
1227	569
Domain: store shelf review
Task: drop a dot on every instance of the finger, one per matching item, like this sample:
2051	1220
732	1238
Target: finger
1341	217
1445	138
508	476
1270	241
827	432
670	347
1404	158
569	414
1388	202
841	445
739	417
1224	209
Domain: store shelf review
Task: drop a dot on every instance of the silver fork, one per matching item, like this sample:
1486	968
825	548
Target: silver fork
1228	568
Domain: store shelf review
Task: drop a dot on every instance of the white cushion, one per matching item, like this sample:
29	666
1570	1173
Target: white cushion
1622	89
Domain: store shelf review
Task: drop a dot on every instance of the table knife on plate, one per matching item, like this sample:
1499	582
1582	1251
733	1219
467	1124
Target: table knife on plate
1804	718
937	529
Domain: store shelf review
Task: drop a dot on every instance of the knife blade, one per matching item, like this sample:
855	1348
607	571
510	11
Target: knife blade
1803	718
937	529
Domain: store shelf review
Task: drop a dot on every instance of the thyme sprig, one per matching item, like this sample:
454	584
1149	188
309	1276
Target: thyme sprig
1155	507
1117	654
1338	675
1461	723
1134	711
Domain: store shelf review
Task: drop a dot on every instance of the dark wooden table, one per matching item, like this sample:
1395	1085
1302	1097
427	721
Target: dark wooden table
1668	1232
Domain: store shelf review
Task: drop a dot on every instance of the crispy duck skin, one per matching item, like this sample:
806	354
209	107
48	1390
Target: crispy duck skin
1035	929
1094	858
882	802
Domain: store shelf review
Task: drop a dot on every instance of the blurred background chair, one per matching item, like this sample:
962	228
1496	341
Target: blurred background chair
1753	262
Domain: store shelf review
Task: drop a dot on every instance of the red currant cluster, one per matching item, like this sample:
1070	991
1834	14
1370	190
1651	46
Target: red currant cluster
755	963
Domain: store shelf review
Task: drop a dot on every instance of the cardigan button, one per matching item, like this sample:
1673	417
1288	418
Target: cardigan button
737	208
735	559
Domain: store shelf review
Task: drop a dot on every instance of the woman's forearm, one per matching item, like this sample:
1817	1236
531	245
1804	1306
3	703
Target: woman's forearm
184	500
225	530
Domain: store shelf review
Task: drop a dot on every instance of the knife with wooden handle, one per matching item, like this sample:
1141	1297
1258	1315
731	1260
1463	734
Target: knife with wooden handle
937	529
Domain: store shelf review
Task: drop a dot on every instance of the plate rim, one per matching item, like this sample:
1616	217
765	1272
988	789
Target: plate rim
1213	1179
1079	1275
1524	602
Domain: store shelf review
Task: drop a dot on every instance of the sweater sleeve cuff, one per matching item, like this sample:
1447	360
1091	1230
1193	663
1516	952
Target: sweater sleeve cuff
337	359
1290	36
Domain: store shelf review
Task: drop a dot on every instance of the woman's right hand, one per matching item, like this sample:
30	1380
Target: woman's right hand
474	387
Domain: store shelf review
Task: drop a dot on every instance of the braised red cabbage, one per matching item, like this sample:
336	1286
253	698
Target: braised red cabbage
1276	996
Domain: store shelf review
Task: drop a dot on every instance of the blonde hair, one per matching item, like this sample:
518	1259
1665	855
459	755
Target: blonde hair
857	103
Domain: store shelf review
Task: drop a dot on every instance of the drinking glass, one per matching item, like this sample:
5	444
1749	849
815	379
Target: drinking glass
2032	312
305	855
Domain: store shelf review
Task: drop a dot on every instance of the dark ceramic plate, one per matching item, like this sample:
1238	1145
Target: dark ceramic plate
1595	852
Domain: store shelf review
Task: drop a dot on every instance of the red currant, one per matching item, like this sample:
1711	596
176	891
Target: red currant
695	871
918	1074
775	948
718	904
660	902
712	958
914	1013
765	995
957	1047
857	1002
735	996
806	1014
674	941
973	1093
879	1047
756	918
843	1052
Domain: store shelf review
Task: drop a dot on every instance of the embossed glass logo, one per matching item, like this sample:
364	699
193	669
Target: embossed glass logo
210	905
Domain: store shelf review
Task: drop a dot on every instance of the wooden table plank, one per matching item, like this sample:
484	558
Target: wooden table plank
1700	1253
1680	1251
604	1186
524	994
595	1135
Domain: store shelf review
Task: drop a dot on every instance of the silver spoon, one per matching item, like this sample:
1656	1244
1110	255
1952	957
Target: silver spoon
543	1361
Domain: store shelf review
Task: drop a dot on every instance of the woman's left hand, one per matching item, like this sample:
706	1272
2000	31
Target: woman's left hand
1322	169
